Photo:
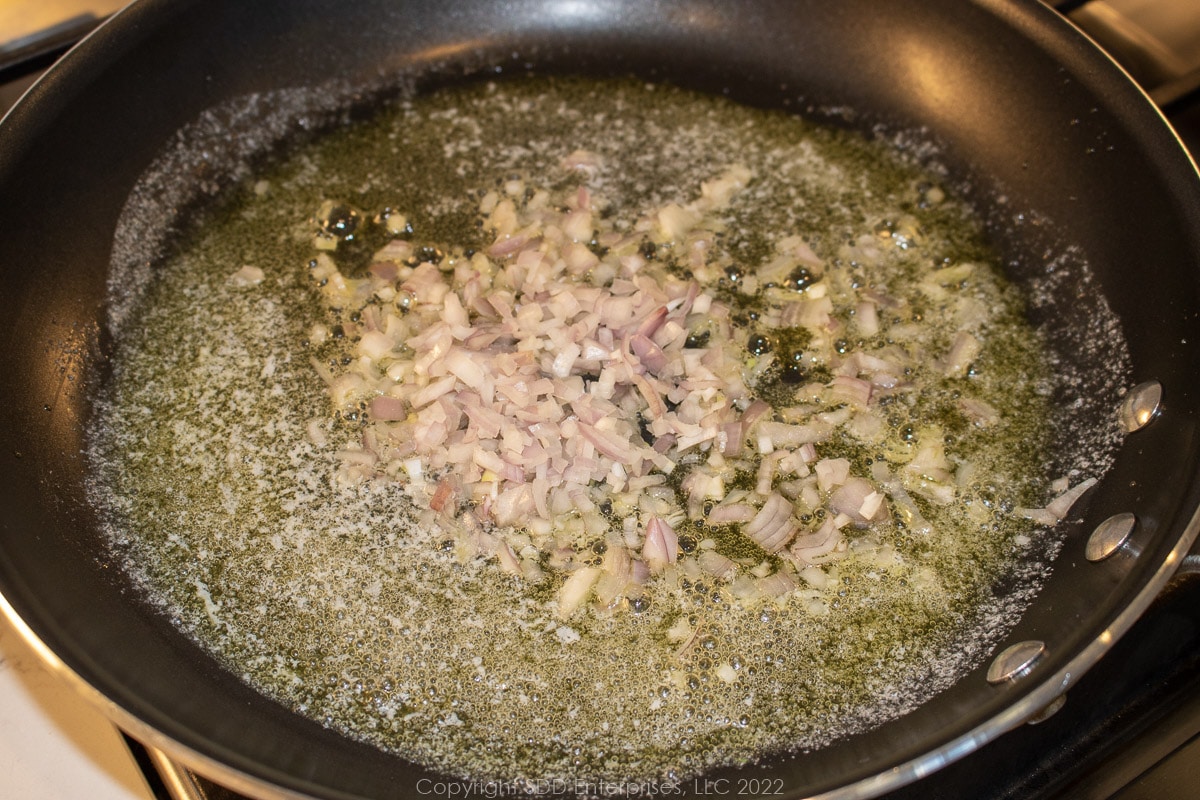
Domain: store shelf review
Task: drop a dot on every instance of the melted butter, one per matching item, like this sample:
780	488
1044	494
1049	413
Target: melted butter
337	604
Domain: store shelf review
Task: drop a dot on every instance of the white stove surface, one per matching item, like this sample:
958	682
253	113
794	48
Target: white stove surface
54	745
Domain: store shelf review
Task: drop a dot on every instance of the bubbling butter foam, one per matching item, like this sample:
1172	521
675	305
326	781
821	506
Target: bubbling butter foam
215	453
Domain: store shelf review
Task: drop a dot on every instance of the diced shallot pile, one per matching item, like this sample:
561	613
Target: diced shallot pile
575	401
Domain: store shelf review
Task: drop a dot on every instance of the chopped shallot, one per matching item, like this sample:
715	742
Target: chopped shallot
561	388
1059	507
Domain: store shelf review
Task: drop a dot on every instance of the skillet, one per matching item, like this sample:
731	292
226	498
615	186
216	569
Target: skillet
1024	107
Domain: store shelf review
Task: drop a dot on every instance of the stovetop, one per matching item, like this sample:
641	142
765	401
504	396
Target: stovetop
1129	730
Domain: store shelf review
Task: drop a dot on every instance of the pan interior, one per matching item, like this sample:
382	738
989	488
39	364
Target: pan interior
320	608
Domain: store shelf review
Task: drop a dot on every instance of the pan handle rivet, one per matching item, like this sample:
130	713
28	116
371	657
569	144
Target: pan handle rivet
1109	536
1141	405
1015	661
